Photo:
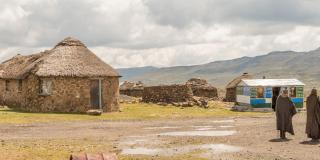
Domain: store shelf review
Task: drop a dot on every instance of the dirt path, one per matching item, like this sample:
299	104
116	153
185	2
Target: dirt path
209	138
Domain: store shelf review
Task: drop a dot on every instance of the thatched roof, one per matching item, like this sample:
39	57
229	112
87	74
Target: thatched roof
237	80
18	66
69	57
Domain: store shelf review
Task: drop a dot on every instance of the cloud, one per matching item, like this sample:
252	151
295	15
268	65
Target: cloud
128	33
180	13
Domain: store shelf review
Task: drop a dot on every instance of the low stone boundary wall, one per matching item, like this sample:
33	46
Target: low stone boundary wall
208	92
167	94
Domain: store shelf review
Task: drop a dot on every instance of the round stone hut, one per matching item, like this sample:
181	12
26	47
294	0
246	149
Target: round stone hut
67	78
201	88
231	88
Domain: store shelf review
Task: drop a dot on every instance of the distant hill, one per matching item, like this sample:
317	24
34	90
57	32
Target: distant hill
285	64
128	73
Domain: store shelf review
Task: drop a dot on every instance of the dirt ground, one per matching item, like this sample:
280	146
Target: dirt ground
198	138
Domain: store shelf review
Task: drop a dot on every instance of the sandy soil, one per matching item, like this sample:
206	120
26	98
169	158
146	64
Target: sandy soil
208	138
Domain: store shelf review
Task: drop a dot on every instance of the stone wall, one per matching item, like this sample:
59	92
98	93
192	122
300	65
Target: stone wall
111	95
231	95
201	88
68	95
167	94
12	96
208	92
133	89
132	92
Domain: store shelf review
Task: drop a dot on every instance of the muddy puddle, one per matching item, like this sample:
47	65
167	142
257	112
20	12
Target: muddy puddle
221	148
141	141
205	129
209	150
162	127
199	133
201	126
224	121
226	126
141	151
154	144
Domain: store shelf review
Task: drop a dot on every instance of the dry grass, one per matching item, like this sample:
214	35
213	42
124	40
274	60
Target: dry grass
140	111
53	149
60	149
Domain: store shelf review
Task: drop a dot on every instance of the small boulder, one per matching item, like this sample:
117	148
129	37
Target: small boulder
94	112
185	104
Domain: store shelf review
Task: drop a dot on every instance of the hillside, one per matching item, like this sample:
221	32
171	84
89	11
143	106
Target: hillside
284	64
128	73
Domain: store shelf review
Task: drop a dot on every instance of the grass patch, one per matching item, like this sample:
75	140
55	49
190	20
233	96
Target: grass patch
53	149
140	111
61	149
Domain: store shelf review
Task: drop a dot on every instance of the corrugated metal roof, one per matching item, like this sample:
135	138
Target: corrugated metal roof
271	82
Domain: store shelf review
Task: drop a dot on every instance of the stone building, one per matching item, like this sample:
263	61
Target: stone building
132	89
201	88
67	78
167	94
231	88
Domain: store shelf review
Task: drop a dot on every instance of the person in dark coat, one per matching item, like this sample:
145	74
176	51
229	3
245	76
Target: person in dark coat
313	116
285	110
274	100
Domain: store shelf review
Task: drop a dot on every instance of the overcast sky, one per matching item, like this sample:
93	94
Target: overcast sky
132	33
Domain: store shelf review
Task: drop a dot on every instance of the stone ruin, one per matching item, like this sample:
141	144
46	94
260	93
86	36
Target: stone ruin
177	95
167	93
132	89
201	88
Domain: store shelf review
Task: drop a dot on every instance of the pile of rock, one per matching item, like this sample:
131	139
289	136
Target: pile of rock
196	92
133	89
129	99
94	112
201	88
196	101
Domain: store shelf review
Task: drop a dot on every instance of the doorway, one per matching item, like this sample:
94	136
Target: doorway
275	94
95	94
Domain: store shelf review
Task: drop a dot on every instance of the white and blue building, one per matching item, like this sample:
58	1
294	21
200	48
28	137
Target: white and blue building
258	93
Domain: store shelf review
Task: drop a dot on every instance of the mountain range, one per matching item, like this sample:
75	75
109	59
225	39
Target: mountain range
279	64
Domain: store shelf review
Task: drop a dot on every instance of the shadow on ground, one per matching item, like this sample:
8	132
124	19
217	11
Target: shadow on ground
279	140
310	142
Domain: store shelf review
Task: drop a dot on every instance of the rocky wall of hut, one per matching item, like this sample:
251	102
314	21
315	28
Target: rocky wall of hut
67	95
231	95
167	94
11	93
205	92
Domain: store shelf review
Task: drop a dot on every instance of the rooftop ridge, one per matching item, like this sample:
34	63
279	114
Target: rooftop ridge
70	41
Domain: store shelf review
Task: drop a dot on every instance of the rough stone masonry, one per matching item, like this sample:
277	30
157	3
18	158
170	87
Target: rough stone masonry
167	94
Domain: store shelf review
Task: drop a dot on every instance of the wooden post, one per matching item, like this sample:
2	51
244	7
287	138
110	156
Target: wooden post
100	94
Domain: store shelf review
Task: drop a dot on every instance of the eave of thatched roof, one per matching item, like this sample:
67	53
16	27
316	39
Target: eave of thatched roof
19	66
69	58
237	80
